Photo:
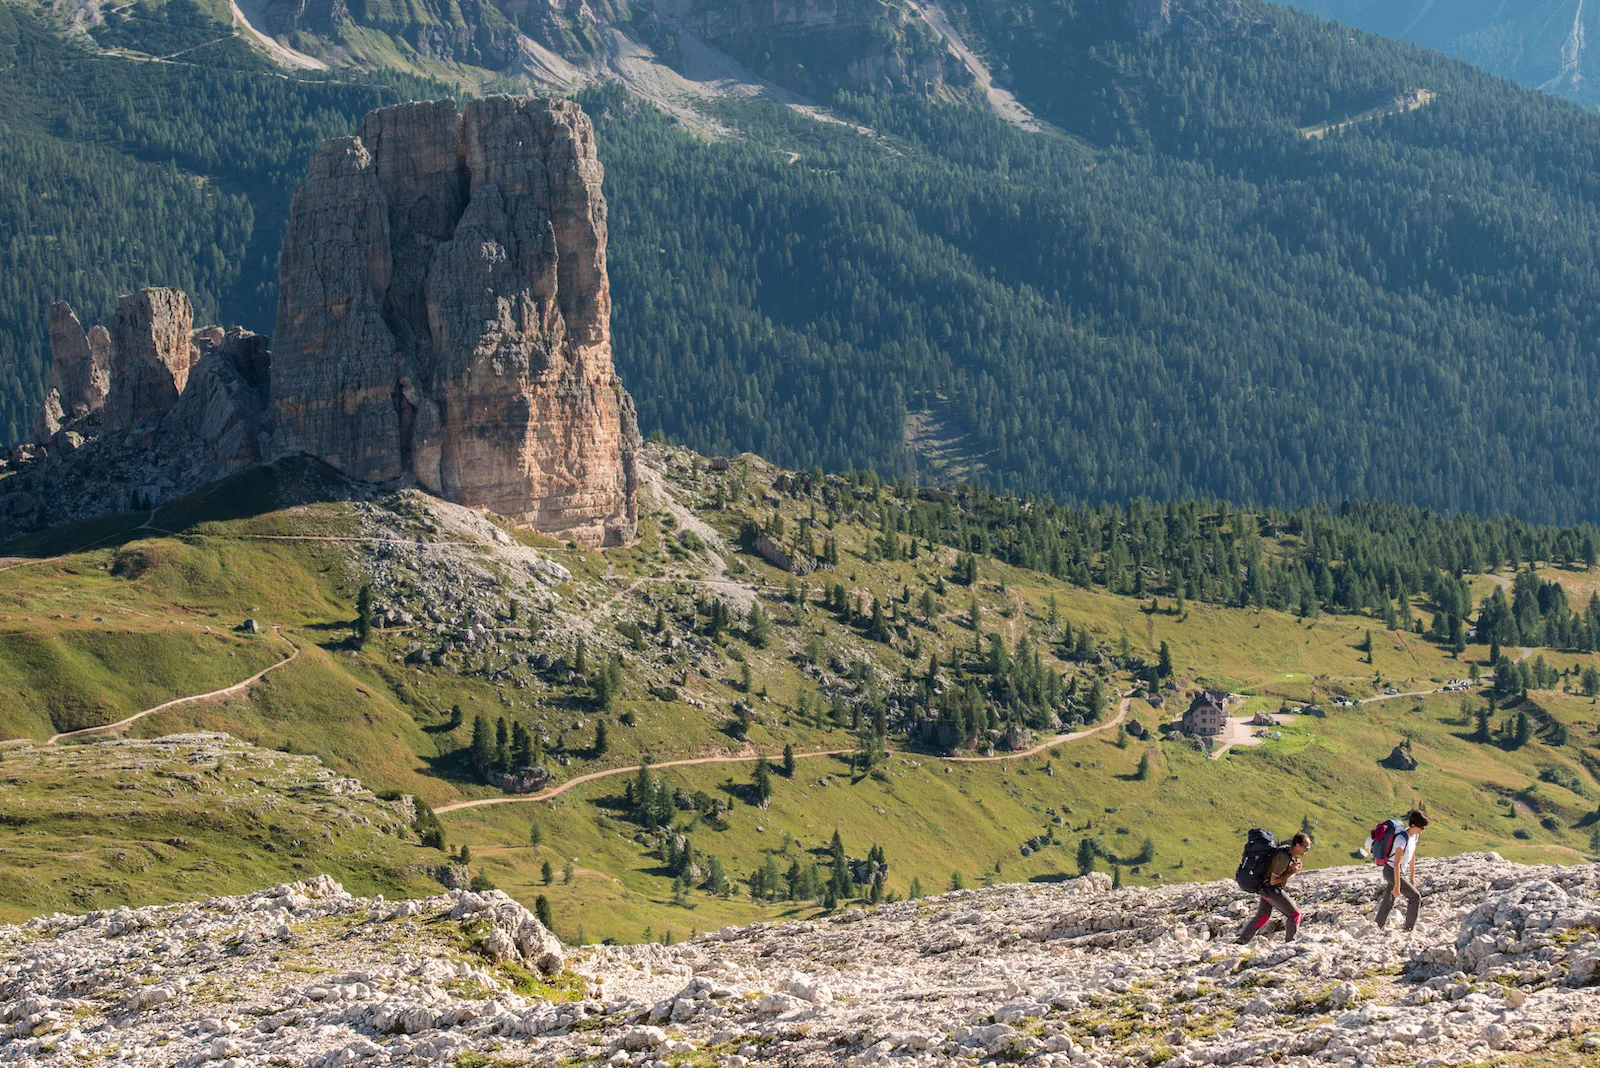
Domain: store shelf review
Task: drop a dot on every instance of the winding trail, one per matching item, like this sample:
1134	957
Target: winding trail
557	791
226	691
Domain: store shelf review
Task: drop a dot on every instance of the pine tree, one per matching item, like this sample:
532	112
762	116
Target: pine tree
916	888
466	856
482	744
1164	664
602	742
788	761
1097	700
567	872
762	783
541	911
1086	857
546	873
839	881
1144	767
759	626
771	881
717	878
535	835
957	882
502	745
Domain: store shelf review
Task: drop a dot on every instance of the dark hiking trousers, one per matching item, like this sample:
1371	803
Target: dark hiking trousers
1386	900
1273	898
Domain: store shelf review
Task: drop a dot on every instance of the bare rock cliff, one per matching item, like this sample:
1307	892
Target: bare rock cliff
138	414
150	355
80	371
444	315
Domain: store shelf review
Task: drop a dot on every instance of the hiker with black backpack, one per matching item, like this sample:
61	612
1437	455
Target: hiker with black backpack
1266	869
1394	849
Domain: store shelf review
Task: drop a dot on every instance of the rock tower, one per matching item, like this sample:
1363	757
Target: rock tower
444	315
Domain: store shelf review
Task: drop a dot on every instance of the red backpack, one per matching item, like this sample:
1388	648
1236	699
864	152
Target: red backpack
1384	836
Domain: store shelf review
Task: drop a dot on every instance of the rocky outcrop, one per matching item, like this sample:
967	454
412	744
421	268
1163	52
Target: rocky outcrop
444	315
1500	970
444	320
80	372
151	355
1192	20
819	46
157	409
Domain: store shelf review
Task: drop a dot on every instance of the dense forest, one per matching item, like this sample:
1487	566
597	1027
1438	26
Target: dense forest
1172	292
1180	296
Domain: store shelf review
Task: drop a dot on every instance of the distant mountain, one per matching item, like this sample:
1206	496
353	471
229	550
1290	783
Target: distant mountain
1544	44
1101	250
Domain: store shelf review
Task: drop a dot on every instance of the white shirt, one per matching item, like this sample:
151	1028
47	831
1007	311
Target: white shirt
1401	859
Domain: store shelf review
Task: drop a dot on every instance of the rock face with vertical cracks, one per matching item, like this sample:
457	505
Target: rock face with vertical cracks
80	372
444	315
150	355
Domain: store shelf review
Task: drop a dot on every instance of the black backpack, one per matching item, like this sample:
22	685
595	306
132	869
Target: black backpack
1259	848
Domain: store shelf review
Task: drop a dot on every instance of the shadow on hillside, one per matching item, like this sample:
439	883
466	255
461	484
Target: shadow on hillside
454	767
285	483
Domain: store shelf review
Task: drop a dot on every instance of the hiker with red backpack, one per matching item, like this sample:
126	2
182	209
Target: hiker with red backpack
1266	869
1394	849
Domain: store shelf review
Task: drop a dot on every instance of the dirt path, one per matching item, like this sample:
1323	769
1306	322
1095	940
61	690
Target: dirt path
745	758
226	691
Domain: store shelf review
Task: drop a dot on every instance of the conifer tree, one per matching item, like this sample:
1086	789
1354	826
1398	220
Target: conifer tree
761	782
482	744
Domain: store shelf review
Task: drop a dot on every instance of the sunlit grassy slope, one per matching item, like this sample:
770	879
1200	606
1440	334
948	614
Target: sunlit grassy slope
99	634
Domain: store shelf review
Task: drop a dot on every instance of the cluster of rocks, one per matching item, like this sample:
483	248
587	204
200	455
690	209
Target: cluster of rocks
443	319
138	412
1075	973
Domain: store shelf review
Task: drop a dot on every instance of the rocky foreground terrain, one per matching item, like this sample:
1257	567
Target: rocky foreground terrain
1075	973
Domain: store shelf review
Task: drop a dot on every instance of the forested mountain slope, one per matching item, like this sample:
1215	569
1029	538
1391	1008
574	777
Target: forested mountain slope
1174	291
1187	294
1543	44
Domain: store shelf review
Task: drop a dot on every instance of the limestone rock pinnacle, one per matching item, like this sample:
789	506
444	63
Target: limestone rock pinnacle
80	371
150	355
444	315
